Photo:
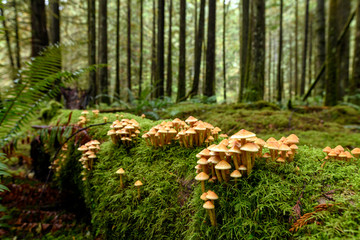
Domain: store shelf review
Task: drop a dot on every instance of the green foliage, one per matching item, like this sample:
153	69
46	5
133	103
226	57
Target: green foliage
3	172
39	83
50	111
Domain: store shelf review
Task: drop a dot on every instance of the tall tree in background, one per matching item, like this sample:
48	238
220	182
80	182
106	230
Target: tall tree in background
129	46
159	80
256	83
198	50
305	45
210	51
141	44
343	49
102	52
269	68
331	62
355	81
8	46
39	35
153	52
169	59
117	51
182	55
320	41
17	37
225	8
243	46
279	83
310	51
92	47
54	22
296	84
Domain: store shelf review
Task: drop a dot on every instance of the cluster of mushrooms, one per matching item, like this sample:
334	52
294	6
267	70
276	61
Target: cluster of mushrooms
88	157
124	132
190	133
339	153
56	165
137	184
84	118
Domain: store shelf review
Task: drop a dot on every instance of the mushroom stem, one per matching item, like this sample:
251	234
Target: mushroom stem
223	174
212	170
248	163
212	217
235	162
218	174
138	190
222	156
203	186
121	182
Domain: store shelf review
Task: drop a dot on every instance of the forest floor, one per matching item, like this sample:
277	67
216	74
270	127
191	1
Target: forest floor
28	205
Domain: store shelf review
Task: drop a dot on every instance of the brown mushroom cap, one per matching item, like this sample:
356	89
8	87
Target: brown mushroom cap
243	134
235	174
332	153
242	168
234	149
138	183
203	196
284	147
249	147
208	205
280	160
343	155
271	139
260	142
202	161
220	148
355	151
120	171
223	165
83	148
214	159
348	155
327	149
340	148
212	195
202	176
191	119
272	145
205	152
266	155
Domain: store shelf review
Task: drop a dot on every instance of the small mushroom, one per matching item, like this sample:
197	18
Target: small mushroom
356	152
211	210
202	177
121	172
223	166
138	184
236	174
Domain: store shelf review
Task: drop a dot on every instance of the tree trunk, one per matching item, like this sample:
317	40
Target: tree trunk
269	69
39	35
182	54
141	44
255	88
320	41
7	38
198	50
17	38
296	85
102	59
343	50
159	82
210	53
153	53
290	68
244	46
117	51
355	81
54	22
310	53
331	62
305	44
279	83
196	17
224	47
169	59
129	48
92	48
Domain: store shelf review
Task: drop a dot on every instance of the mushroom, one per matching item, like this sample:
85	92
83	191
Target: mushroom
105	119
235	174
235	150
327	150
283	149
203	162
356	152
223	166
249	148
96	113
211	210
138	184
202	177
121	172
243	169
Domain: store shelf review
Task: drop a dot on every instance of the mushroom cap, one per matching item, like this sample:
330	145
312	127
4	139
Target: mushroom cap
176	120
214	159
260	142
191	119
208	205
220	148
120	171
235	174
280	160
198	167
111	132
138	183
203	196
339	147
202	161
202	176
348	155
266	155
224	142
284	147
271	140
190	131
272	145
96	142
243	134
212	195
251	139
343	155
82	148
85	112
242	168
92	156
223	135
332	153
355	151
327	149
294	147
145	135
205	152
234	149
200	127
223	165
250	147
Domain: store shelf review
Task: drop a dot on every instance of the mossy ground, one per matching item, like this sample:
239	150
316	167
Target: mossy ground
259	206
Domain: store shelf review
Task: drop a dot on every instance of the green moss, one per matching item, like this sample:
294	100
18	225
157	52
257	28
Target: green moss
259	206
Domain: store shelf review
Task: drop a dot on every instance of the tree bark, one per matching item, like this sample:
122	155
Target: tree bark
153	53
169	59
198	50
244	46
129	48
54	22
305	45
355	81
17	38
92	48
182	53
224	47
310	52
290	68
8	46
343	50
320	41
210	51
279	83
255	88
269	69
159	82
331	63
39	35
117	51
102	59
296	85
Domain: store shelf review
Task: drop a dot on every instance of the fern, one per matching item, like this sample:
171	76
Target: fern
39	83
